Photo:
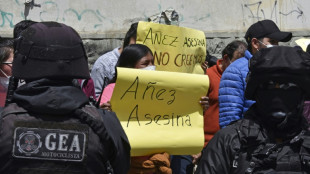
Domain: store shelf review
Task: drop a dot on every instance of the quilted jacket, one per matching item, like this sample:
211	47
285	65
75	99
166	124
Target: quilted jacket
231	92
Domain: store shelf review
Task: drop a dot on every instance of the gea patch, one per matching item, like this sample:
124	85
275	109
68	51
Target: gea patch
49	144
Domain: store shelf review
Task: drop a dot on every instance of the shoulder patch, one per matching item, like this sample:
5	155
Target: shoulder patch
49	144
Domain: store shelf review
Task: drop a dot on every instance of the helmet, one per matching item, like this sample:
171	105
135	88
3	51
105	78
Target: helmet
49	50
281	64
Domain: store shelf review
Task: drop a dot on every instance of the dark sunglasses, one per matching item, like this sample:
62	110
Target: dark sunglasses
277	85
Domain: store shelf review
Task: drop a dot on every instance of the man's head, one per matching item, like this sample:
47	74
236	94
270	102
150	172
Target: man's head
232	52
278	80
265	34
49	50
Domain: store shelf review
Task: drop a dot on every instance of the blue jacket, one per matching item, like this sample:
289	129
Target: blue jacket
231	92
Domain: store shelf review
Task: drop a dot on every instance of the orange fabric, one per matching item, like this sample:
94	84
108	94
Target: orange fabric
211	115
157	163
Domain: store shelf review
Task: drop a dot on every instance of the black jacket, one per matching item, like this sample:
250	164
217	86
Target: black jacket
242	148
51	128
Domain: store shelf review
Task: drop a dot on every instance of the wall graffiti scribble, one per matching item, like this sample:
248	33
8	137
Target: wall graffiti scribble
298	11
95	16
5	16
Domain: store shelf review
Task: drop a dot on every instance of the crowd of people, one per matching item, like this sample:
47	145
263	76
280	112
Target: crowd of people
56	115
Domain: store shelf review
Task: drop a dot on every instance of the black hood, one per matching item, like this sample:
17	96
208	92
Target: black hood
51	97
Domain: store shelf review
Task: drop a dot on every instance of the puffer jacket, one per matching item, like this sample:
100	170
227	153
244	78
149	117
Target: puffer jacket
231	92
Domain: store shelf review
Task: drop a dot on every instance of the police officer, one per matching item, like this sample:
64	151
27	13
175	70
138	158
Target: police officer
273	137
49	126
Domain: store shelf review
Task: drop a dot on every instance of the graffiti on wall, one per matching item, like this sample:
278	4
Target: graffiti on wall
260	10
87	18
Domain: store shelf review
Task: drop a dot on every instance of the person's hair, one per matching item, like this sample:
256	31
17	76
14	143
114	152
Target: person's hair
308	49
210	59
130	57
232	47
6	48
250	44
21	26
132	54
132	32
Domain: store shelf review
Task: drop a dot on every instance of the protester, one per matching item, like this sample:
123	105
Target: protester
49	126
136	56
262	34
231	52
139	57
105	64
6	60
273	136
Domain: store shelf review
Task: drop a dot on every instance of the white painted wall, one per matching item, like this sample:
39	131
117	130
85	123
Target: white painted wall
111	18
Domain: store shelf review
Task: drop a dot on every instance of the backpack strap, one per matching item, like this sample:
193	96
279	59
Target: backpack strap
119	137
118	147
99	128
248	132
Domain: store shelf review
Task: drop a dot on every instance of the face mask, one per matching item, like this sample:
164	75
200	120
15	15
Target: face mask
4	83
267	46
151	67
280	108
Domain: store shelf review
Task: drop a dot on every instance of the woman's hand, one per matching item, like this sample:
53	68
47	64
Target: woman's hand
106	106
204	66
204	101
196	158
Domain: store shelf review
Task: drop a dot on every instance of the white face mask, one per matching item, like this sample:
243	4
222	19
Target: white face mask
4	81
267	46
4	84
151	67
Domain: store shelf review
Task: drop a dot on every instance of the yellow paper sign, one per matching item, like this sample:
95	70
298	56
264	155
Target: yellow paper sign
303	43
160	114
174	48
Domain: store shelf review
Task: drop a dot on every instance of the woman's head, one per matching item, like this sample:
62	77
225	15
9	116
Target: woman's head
6	58
136	56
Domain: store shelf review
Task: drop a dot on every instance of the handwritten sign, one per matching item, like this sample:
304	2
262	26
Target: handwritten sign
160	114
174	48
303	43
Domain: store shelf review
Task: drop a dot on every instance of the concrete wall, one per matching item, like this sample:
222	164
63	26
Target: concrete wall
102	23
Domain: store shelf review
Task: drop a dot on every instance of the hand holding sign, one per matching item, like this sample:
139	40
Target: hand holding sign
160	111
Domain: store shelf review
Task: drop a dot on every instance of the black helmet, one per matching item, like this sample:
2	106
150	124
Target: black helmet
282	64
49	50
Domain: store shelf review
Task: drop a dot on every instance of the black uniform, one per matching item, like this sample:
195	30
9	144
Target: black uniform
49	126
273	137
247	147
56	131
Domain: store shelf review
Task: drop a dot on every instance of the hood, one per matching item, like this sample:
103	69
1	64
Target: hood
52	97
